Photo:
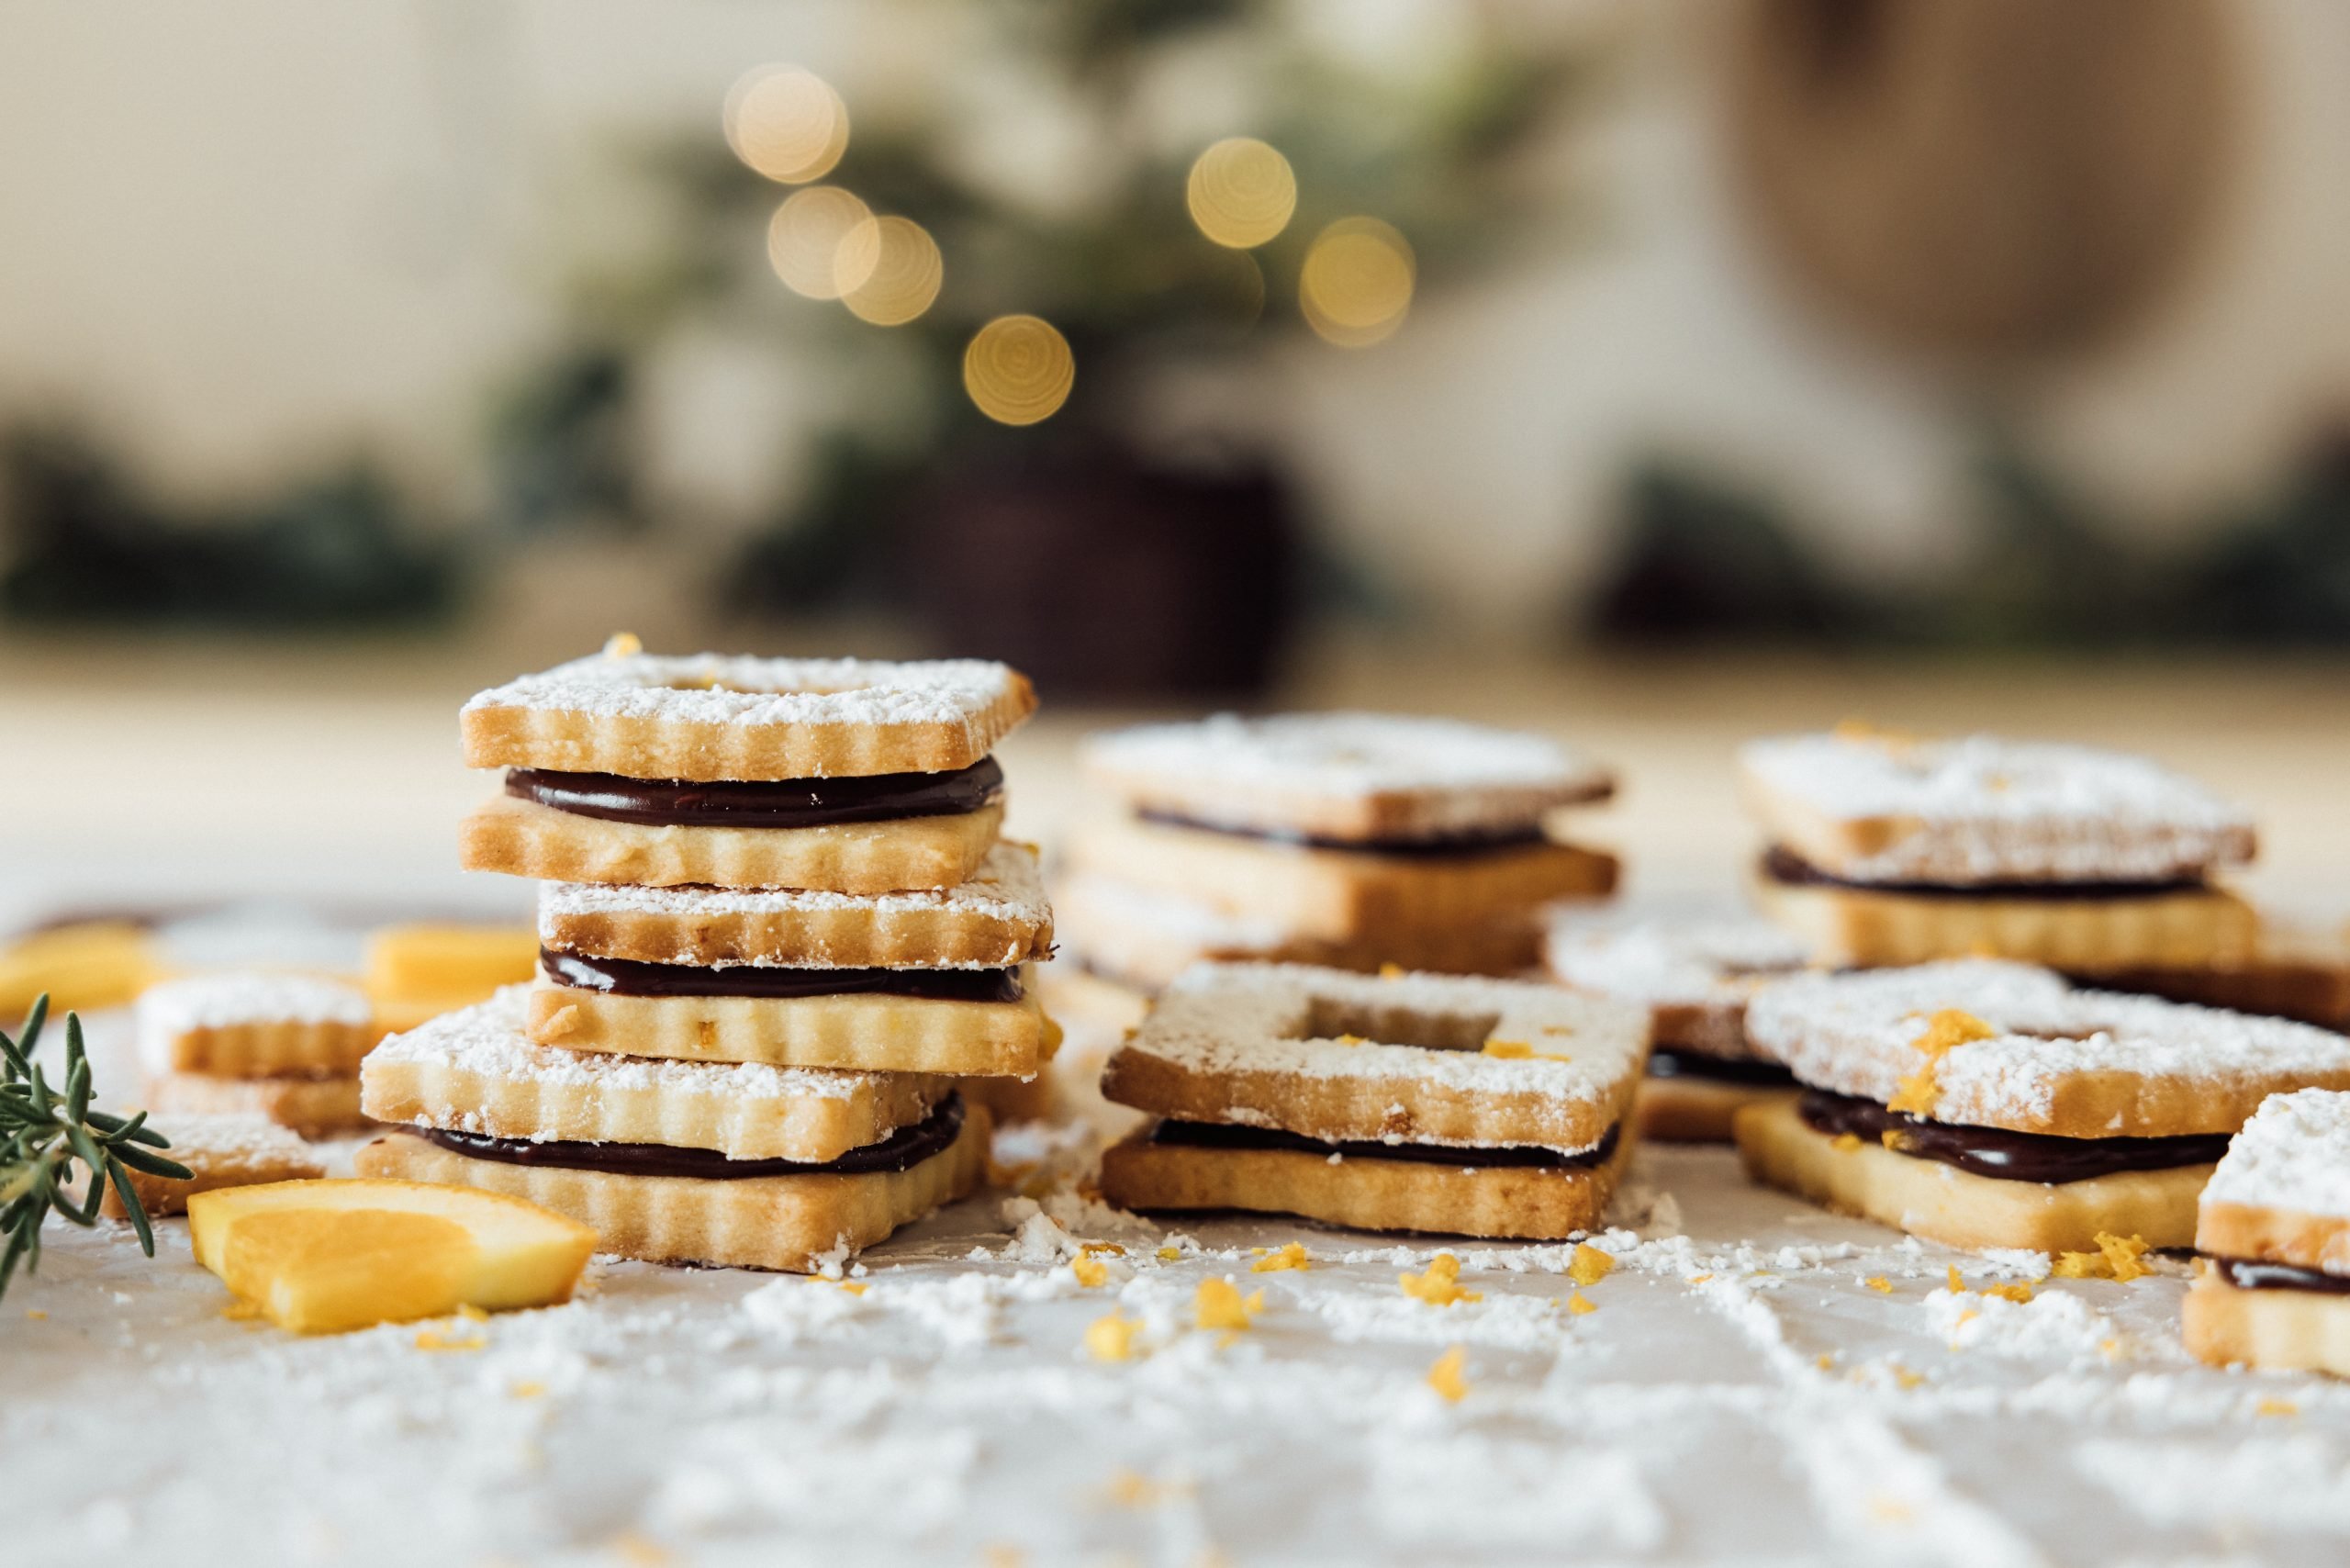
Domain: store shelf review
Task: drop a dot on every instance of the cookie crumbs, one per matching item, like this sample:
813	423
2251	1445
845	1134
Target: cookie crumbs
1588	1265
1579	1304
1879	1283
1441	1286
1291	1256
1444	1376
1111	1338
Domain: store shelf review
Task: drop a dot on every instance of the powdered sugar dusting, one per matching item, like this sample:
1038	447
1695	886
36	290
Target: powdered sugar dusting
224	1000
1218	1019
1856	1033
228	1143
1982	808
1690	963
488	1038
1005	887
720	689
2294	1154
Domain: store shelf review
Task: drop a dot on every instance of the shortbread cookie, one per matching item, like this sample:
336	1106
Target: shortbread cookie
873	1030
998	919
641	1206
1346	896
1516	1194
422	970
2024	1050
1690	1107
712	717
314	1107
220	1151
255	1024
1146	939
523	838
1355	777
477	1071
2066	927
1869	806
1410	1058
1853	1173
2290	973
1694	976
2273	1288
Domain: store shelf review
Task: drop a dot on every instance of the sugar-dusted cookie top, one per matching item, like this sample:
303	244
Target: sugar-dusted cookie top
1688	963
236	999
2294	1154
709	716
1409	1057
1868	806
1353	777
999	917
1992	1044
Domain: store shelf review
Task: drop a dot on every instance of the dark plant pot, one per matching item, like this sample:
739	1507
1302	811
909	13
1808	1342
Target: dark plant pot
1104	578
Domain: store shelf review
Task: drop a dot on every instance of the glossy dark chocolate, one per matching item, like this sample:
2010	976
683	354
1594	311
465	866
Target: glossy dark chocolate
902	1150
2251	1274
1226	1135
2001	1154
790	802
1785	866
1666	1062
1450	845
626	977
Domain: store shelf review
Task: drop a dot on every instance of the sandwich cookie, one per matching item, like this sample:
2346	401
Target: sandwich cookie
1352	839
732	1164
1888	850
1694	977
218	1151
1408	1101
284	1048
1983	1103
2271	1288
851	775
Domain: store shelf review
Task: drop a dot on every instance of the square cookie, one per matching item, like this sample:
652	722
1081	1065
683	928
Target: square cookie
1355	777
254	1025
219	1151
2271	1288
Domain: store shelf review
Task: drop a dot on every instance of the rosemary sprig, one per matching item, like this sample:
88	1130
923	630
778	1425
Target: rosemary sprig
43	1132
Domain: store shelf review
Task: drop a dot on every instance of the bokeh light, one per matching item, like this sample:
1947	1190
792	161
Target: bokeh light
1241	193
888	271
787	123
806	239
1356	282
1018	369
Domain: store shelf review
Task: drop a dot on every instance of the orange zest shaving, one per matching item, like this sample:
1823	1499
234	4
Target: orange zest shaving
1844	1143
1170	1254
1879	1283
1945	1032
2277	1408
2116	1257
1090	1272
1444	1374
1291	1256
1508	1050
1441	1286
2019	1293
1957	1281
1579	1303
1589	1265
1111	1338
1218	1304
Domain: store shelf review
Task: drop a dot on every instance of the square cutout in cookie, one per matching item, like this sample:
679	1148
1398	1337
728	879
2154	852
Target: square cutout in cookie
1348	1017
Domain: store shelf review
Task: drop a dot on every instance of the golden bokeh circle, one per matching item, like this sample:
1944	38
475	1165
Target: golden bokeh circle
806	237
1241	192
1356	282
888	271
1018	369
786	123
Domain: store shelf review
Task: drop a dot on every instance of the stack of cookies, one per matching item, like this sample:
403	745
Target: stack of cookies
778	931
1985	1103
1696	978
1348	840
1404	1102
1889	849
2271	1288
284	1048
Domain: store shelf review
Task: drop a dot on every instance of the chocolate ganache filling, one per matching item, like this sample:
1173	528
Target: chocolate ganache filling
1784	866
626	977
788	802
902	1150
2002	1155
2252	1274
1226	1135
1445	844
1666	1062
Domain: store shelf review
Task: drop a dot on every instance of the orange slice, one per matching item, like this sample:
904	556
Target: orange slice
322	1257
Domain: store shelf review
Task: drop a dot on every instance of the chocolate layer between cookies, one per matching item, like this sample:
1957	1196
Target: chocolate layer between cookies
1173	1134
773	803
628	977
1785	867
902	1150
1999	1153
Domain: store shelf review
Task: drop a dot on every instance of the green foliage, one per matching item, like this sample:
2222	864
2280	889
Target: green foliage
45	1132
